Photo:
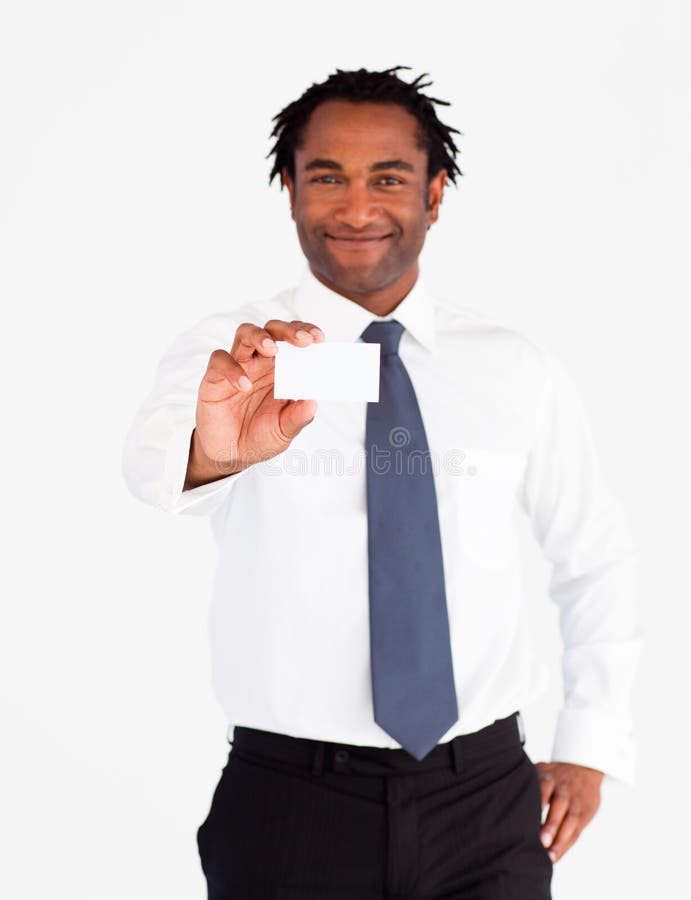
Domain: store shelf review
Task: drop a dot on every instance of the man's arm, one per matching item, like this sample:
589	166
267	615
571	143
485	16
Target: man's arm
584	533
158	448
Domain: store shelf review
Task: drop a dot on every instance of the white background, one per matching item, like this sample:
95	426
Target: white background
134	201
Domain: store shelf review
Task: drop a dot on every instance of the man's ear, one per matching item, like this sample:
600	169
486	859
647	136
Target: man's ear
290	184
435	194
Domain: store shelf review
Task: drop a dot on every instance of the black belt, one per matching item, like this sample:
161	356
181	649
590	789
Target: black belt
317	756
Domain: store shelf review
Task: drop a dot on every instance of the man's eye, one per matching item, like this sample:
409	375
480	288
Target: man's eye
390	179
324	179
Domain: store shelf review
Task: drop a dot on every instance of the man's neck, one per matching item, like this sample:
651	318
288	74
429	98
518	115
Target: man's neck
379	302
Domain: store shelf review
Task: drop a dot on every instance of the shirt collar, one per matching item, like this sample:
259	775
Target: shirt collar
342	319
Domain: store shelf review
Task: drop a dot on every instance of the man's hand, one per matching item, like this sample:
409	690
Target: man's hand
573	795
238	422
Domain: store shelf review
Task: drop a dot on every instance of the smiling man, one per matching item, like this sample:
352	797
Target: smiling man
362	215
368	646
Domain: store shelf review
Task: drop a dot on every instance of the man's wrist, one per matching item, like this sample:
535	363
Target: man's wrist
201	469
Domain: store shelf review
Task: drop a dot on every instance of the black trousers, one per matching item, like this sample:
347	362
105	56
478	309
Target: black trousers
299	819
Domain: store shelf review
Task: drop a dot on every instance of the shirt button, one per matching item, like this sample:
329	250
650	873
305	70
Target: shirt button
341	756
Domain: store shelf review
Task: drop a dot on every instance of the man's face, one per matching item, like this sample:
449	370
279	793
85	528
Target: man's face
360	199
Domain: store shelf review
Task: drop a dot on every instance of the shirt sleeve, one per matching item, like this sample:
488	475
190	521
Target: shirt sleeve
584	533
156	448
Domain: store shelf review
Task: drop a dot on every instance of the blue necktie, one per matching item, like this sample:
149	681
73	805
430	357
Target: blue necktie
412	671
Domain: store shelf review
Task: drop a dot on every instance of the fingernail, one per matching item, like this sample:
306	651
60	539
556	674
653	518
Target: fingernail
301	334
552	856
546	839
317	332
244	383
267	342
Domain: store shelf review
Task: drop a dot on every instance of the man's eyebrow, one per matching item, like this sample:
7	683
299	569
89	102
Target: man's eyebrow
392	164
323	164
375	167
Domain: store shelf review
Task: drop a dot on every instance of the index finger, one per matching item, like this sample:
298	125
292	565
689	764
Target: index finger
558	808
297	332
251	339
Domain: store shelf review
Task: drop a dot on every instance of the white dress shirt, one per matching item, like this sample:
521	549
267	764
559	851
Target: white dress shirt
289	620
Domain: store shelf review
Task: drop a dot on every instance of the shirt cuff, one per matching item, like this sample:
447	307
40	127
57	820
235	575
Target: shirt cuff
199	501
590	737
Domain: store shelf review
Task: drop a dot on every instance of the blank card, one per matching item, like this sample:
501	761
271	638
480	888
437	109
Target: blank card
331	370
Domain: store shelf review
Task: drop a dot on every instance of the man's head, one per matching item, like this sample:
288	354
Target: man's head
365	160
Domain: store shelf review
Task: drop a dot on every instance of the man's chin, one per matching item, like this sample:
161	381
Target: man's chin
357	279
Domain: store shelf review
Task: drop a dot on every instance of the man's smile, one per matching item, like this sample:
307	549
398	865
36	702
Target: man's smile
357	242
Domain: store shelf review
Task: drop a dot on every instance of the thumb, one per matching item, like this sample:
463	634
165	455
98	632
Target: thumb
295	415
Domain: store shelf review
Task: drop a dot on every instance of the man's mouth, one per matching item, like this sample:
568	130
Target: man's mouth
357	242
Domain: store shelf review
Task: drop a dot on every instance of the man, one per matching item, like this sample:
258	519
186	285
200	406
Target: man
366	629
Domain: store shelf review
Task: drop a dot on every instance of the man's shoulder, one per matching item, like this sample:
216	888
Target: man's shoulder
219	327
455	321
258	311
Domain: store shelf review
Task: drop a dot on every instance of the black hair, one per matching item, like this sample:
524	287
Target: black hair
362	86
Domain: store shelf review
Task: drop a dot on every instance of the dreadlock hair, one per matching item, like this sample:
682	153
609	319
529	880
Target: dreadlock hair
375	87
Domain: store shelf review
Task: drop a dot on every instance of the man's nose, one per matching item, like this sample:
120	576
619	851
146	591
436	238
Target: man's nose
357	207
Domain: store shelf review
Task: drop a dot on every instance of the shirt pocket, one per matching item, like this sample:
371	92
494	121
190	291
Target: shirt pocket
477	495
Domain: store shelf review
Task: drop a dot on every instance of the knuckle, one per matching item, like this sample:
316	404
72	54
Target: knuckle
544	774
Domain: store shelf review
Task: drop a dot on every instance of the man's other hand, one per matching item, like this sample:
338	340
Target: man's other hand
573	795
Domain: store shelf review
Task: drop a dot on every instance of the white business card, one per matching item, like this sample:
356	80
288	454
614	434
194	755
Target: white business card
332	370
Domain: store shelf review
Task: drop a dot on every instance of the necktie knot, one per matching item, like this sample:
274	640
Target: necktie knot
388	334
